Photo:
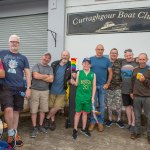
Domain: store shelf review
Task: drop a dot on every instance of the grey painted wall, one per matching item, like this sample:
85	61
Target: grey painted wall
56	19
24	8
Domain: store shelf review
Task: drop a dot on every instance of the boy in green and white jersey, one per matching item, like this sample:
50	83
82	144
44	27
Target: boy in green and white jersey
86	88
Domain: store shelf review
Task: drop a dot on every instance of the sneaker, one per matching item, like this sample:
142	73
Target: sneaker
46	123
109	123
91	127
75	134
19	142
12	140
42	129
128	126
34	132
85	132
120	124
52	126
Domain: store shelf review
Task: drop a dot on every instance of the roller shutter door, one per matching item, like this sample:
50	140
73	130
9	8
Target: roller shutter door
32	30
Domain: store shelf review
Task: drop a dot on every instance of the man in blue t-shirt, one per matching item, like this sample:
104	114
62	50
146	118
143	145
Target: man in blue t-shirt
13	92
101	66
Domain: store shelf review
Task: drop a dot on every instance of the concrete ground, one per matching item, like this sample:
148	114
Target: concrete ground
112	138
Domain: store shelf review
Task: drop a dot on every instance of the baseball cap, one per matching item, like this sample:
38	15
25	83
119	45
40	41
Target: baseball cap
86	59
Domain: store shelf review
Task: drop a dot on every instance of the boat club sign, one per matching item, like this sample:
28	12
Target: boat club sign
112	21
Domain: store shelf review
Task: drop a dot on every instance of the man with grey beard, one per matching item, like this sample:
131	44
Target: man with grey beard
62	73
13	92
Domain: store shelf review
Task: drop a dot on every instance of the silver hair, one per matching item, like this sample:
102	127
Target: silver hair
16	36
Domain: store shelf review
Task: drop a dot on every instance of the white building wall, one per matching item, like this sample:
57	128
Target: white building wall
56	23
81	46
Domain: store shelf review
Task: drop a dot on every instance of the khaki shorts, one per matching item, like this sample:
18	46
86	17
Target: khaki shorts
57	101
39	101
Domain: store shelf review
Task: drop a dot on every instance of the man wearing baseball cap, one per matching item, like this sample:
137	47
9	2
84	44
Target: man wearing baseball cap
42	75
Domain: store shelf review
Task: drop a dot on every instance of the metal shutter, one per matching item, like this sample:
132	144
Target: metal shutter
32	30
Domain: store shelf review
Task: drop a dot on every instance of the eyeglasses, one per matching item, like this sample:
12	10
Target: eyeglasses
128	50
16	42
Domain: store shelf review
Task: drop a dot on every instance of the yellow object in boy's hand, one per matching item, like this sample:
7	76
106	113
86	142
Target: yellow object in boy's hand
138	76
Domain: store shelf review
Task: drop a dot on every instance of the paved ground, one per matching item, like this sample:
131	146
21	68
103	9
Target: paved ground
112	138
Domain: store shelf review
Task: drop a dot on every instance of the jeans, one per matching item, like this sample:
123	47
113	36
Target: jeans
138	103
100	97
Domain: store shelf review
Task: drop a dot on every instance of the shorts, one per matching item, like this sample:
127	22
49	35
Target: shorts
39	101
127	100
57	101
86	107
114	99
11	98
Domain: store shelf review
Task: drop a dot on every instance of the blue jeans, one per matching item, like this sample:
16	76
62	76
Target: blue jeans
100	97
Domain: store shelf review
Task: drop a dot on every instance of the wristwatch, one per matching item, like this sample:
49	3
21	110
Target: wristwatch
28	87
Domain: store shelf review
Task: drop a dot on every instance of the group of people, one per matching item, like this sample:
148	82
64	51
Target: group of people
13	67
102	82
118	81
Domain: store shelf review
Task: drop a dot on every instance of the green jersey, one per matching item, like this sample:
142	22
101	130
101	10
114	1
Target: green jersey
84	88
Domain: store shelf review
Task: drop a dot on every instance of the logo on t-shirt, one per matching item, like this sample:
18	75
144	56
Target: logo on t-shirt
86	83
12	66
126	71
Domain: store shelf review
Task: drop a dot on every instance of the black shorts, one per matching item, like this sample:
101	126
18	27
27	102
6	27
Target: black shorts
127	100
11	98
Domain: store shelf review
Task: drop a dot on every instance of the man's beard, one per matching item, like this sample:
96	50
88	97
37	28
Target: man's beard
64	60
15	48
